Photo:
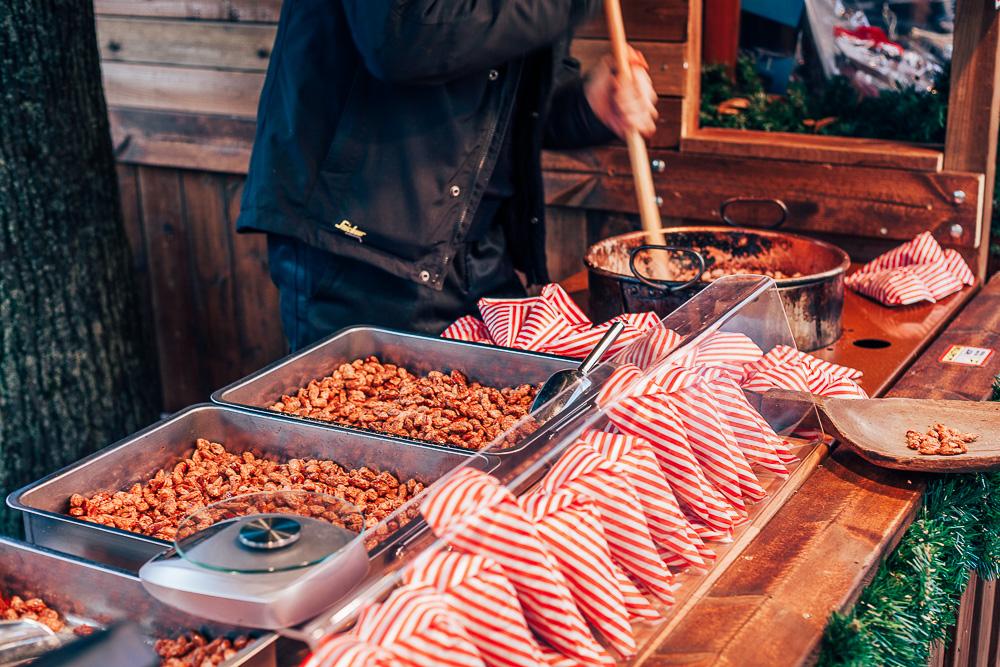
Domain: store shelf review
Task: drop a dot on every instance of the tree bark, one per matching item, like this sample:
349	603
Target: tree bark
75	372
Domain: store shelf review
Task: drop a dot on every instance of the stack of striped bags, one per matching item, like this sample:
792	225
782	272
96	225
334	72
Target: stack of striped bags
916	271
563	574
553	323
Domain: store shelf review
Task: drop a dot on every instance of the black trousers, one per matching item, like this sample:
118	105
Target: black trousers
322	293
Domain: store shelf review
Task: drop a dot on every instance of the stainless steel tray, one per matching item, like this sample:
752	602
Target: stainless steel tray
138	457
87	593
489	365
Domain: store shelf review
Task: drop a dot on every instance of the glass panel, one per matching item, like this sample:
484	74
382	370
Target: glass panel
745	310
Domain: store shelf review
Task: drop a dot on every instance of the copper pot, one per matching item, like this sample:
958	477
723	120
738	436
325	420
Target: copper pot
810	282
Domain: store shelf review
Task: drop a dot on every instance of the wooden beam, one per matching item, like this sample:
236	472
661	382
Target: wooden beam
257	303
223	143
214	278
666	61
187	89
974	105
168	252
653	20
186	141
813	148
211	44
225	10
983	621
668	125
822	198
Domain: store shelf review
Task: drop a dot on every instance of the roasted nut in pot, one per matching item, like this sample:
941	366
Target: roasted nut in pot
211	473
438	407
194	650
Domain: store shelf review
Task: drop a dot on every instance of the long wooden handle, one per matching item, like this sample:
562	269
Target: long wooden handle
642	171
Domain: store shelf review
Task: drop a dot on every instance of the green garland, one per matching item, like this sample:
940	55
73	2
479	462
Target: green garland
913	599
907	115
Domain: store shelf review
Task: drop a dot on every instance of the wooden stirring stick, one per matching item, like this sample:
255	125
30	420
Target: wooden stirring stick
642	171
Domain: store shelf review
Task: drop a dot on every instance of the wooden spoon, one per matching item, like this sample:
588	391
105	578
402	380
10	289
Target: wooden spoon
876	429
642	172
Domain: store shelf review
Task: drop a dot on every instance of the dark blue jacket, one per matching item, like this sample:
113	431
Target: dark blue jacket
377	125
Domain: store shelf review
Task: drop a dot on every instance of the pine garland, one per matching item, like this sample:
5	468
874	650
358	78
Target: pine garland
913	599
835	109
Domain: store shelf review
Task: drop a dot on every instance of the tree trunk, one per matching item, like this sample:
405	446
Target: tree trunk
75	372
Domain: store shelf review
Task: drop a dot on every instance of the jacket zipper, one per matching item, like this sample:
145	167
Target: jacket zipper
486	150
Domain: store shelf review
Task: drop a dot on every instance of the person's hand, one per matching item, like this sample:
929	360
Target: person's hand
623	105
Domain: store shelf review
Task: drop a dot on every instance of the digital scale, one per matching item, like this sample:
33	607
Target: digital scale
234	563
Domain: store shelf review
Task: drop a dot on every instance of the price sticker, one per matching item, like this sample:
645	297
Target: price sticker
964	355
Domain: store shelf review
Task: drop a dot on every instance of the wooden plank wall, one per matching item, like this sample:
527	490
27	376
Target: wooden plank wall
182	79
206	290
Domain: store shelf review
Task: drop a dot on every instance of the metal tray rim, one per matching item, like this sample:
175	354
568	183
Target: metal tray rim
13	499
217	395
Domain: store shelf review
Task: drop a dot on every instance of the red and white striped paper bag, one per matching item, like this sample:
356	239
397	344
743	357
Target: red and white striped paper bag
784	367
580	341
636	603
653	418
621	381
569	524
479	593
346	650
656	343
725	349
671	531
584	471
742	427
712	442
919	270
504	318
683	388
468	328
414	627
755	437
476	515
551	322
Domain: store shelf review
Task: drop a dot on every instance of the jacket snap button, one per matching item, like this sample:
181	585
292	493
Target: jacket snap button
455	191
534	221
424	276
494	75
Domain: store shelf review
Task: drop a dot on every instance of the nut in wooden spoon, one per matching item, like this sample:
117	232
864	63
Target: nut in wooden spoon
877	428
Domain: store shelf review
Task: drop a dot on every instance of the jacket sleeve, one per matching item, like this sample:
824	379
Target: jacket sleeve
571	123
434	41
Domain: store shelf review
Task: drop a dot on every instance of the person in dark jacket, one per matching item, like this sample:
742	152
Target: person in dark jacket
397	164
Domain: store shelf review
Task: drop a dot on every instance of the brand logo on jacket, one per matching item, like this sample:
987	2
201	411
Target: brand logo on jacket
349	229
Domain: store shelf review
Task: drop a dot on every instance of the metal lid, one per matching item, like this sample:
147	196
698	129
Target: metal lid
271	531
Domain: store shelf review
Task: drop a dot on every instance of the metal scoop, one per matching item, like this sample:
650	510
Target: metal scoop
555	387
25	639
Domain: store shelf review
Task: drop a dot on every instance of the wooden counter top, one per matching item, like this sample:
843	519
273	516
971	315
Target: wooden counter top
817	553
815	556
907	330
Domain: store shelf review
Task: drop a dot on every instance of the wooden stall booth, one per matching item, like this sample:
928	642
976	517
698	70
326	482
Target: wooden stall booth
182	79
